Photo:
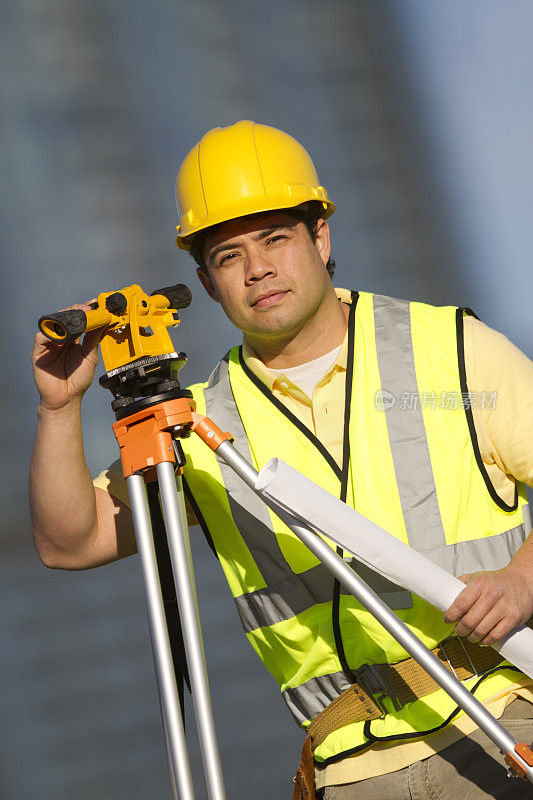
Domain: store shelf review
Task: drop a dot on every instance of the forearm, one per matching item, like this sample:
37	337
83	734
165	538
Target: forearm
62	496
522	561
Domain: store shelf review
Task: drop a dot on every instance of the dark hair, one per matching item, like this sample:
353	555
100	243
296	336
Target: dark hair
309	215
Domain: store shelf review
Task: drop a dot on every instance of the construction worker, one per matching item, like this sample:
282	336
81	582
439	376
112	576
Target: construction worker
417	416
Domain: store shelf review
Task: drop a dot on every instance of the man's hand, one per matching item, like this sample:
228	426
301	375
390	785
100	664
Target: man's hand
63	372
492	604
75	526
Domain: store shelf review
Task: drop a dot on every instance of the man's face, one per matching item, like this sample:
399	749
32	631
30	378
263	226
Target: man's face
267	273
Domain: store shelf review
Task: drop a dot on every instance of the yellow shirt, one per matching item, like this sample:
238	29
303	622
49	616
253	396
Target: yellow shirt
500	382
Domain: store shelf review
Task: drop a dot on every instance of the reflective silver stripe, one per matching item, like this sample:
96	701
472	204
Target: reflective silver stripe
249	512
410	453
527	518
491	552
284	600
299	592
312	697
396	597
407	434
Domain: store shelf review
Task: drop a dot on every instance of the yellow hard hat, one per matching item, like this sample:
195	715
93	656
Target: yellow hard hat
243	169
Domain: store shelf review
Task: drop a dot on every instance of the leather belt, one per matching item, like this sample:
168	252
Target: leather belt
402	683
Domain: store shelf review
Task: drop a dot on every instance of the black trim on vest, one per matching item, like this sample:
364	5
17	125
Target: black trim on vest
470	416
418	734
341	473
372	739
348	397
290	416
199	517
470	312
335	604
168	592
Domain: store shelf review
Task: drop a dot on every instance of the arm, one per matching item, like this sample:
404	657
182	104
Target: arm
496	602
75	526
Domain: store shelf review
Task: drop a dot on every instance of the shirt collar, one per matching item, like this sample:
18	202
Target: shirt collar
254	363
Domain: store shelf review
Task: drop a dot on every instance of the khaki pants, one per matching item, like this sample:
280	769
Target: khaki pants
470	769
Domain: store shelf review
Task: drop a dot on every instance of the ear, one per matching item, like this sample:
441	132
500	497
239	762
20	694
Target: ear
205	280
322	240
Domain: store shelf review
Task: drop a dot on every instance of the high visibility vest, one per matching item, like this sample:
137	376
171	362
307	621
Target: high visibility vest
411	464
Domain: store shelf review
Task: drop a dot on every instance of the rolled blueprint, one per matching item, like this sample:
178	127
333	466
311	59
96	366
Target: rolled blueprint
376	548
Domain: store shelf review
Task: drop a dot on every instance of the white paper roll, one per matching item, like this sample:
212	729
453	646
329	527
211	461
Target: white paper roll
376	548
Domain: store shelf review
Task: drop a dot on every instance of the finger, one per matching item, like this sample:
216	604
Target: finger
462	603
93	337
482	625
82	307
501	629
39	343
46	348
90	342
479	611
75	305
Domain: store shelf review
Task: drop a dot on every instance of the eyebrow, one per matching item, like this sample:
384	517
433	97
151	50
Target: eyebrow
263	234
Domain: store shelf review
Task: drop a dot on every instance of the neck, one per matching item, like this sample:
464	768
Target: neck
321	334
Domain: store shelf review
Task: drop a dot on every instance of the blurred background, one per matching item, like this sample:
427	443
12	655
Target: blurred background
419	118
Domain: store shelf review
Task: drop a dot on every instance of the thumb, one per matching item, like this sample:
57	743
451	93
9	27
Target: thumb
467	577
90	343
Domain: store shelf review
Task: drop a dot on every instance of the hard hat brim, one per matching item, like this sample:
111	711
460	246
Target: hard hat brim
185	241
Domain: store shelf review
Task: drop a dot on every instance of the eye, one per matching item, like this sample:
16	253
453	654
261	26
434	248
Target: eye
226	257
276	237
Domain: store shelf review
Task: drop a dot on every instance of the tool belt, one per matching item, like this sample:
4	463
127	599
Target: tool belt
402	683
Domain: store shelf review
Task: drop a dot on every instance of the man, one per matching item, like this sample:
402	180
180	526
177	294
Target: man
440	465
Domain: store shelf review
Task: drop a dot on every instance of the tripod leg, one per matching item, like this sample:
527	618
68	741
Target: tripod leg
173	503
173	786
178	760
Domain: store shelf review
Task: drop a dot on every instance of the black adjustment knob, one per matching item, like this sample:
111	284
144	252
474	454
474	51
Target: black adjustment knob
179	296
116	303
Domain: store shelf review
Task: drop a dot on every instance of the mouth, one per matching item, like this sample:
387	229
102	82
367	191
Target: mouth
269	299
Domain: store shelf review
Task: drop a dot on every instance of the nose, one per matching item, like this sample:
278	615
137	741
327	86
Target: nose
258	266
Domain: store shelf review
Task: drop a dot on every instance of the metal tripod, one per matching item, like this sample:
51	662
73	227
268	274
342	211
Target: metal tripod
160	423
172	501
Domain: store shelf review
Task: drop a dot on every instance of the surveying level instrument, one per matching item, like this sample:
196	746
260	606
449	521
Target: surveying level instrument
153	413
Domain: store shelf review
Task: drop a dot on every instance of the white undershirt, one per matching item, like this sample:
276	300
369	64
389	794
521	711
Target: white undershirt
306	376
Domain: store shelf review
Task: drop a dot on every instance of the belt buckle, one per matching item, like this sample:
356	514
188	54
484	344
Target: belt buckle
378	685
